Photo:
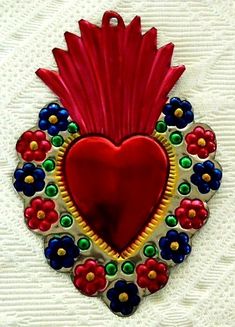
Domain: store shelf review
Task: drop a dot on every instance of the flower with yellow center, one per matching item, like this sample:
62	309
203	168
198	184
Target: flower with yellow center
123	297
29	179
33	145
61	252
152	274
90	276
41	214
206	177
191	213
53	119
201	142
178	113
174	246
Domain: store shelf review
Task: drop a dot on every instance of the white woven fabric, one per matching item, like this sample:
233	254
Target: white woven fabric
201	290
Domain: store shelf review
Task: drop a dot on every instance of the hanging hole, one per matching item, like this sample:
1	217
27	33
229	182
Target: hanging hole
113	21
111	18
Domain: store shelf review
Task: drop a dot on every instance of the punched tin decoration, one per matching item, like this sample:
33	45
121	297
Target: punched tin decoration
114	176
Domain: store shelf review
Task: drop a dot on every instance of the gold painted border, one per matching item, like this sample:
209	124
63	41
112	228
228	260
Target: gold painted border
153	223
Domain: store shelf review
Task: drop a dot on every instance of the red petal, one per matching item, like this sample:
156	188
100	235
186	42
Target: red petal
90	265
209	136
203	153
80	283
28	155
44	225
151	264
37	203
197	223
197	204
203	214
186	223
100	271
142	281
186	203
192	148
27	136
21	146
199	131
48	205
39	135
211	146
29	212
33	223
161	267
80	271
191	138
44	146
52	217
180	212
39	155
141	270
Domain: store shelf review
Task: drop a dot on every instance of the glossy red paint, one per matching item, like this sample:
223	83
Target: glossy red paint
116	188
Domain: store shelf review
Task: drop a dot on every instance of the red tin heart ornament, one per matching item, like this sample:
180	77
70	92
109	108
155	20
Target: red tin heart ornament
116	178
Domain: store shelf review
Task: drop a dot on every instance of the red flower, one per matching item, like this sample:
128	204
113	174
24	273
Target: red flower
201	142
152	274
41	214
191	213
89	277
33	145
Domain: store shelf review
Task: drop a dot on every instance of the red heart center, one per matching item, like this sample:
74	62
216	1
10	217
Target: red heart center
116	189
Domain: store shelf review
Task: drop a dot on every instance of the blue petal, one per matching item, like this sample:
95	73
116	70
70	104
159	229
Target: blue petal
199	168
68	262
55	264
183	237
62	114
44	114
214	185
209	165
19	174
53	106
39	174
135	300
28	168
48	252
172	235
217	174
28	190
112	293
168	109
188	116
204	188
43	124
53	130
186	249
181	123
18	186
164	242
54	243
186	105
67	241
166	254
195	179
170	120
39	185
120	285
126	309
176	102
178	257
62	125
132	288
115	306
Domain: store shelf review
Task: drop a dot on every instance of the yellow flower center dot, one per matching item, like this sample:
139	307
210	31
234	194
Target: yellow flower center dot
53	119
33	145
192	213
40	214
152	274
201	142
90	276
174	246
123	297
178	113
206	177
29	179
61	252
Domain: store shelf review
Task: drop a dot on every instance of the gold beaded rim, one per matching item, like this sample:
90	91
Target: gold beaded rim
151	226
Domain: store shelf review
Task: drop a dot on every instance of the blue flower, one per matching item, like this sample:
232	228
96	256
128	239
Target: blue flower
29	179
178	113
124	297
53	118
174	246
206	177
61	252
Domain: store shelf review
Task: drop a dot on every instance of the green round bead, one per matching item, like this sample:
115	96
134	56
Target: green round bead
184	188
84	243
49	165
57	140
161	126
150	251
171	221
66	221
128	267
186	162
176	138
111	268
51	190
73	127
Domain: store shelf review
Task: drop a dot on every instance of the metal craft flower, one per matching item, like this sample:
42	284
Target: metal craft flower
61	252
123	297
191	213
201	142
152	274
53	118
178	113
89	277
206	177
174	246
41	214
33	145
29	179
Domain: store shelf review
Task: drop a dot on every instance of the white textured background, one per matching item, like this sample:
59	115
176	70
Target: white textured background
201	290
